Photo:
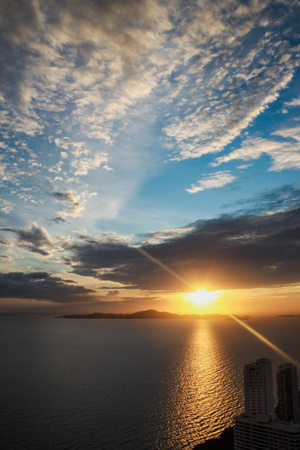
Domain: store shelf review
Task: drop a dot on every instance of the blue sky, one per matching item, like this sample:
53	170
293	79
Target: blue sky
141	123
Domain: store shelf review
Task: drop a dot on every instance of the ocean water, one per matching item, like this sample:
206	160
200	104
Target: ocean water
126	384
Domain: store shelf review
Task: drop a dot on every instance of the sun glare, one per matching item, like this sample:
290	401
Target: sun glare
201	296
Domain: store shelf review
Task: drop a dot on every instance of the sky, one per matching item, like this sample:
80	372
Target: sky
149	149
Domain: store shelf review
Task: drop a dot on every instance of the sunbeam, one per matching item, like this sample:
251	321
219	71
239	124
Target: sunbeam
240	322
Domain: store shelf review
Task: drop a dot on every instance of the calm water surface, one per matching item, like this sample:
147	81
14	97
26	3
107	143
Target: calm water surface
126	384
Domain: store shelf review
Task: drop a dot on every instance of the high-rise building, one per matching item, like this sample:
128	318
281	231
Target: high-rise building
287	393
251	433
258	386
258	428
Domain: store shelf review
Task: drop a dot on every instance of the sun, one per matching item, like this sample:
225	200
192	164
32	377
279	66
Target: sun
201	296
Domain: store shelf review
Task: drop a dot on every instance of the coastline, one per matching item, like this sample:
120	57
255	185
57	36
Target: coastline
149	314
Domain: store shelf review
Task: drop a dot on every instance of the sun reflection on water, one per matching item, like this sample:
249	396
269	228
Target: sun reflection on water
203	396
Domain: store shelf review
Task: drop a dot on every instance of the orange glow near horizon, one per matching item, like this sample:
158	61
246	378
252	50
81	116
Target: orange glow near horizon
202	297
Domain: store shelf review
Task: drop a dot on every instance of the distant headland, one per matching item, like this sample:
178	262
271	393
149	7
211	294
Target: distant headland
148	314
289	315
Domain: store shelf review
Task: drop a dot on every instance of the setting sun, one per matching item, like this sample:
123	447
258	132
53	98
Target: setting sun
201	296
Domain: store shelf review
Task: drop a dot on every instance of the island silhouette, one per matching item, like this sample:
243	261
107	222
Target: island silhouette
148	314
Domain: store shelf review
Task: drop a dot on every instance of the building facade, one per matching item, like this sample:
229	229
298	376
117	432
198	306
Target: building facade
264	433
287	393
258	387
259	427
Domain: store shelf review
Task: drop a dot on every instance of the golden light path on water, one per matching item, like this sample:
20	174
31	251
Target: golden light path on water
240	322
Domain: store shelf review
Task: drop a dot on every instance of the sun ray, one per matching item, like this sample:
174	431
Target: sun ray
163	266
260	336
240	322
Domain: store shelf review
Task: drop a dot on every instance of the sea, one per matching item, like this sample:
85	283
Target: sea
128	384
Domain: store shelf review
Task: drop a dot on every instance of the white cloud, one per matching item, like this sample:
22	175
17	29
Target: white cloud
108	168
6	206
284	155
233	82
156	237
74	211
244	166
212	181
95	67
84	165
201	74
295	102
219	121
113	238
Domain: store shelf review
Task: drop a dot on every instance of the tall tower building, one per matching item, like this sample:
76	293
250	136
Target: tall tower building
258	385
287	393
258	427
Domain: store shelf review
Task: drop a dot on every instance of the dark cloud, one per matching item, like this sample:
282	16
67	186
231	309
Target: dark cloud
282	198
63	196
58	219
5	257
112	293
35	236
41	286
244	251
35	239
4	242
67	197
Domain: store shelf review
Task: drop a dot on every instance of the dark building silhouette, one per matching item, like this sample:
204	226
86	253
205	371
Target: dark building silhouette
258	387
259	427
287	393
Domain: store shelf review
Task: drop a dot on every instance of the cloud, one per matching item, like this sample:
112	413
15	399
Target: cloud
237	252
6	206
293	103
92	81
76	208
6	257
285	197
76	148
85	159
239	64
84	165
83	69
35	239
74	211
212	181
244	166
156	237
41	286
85	66
284	153
66	197
112	293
